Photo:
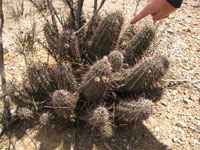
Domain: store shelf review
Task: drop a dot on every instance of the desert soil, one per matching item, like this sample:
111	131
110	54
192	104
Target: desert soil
176	125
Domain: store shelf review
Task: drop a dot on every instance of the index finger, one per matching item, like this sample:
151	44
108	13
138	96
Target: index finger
146	11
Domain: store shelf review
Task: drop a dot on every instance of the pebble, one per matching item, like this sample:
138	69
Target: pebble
164	103
196	141
175	140
181	124
157	129
182	138
175	128
187	101
198	118
170	31
181	131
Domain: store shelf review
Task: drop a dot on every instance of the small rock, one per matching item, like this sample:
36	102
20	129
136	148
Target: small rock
170	31
175	140
181	131
157	129
181	124
198	118
196	141
164	103
187	101
182	138
175	128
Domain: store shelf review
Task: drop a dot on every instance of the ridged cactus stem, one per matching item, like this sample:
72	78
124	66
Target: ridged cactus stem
143	75
138	45
64	77
64	103
106	37
131	110
40	79
128	35
99	116
106	130
116	59
96	80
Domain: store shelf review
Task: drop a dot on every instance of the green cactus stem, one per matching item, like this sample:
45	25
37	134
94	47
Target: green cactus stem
51	37
40	79
127	37
99	116
92	28
45	118
137	47
96	80
116	59
131	110
21	113
63	75
106	37
64	103
143	75
106	130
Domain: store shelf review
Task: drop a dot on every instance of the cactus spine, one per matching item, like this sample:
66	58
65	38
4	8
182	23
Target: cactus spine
106	37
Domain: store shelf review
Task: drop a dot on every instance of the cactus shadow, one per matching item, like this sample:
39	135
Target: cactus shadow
65	137
126	138
19	127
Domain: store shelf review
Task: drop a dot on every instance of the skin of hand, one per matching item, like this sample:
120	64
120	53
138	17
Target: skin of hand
158	9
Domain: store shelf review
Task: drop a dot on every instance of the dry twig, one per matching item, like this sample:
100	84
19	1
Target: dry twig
32	140
102	2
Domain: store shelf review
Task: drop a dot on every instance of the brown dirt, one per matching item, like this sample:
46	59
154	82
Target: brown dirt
176	125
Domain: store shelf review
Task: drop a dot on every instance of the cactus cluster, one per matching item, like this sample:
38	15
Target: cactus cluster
96	84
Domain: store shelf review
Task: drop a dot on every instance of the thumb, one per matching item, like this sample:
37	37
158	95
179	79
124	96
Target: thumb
146	11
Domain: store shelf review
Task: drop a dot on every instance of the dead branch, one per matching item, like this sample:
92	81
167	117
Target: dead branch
6	116
106	145
102	2
52	12
95	6
79	13
32	140
70	4
10	142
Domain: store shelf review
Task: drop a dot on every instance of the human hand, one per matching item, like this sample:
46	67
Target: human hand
158	9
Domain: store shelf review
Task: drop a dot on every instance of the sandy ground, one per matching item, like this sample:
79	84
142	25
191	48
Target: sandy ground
176	125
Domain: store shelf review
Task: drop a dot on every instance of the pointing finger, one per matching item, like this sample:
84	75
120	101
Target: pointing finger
146	11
